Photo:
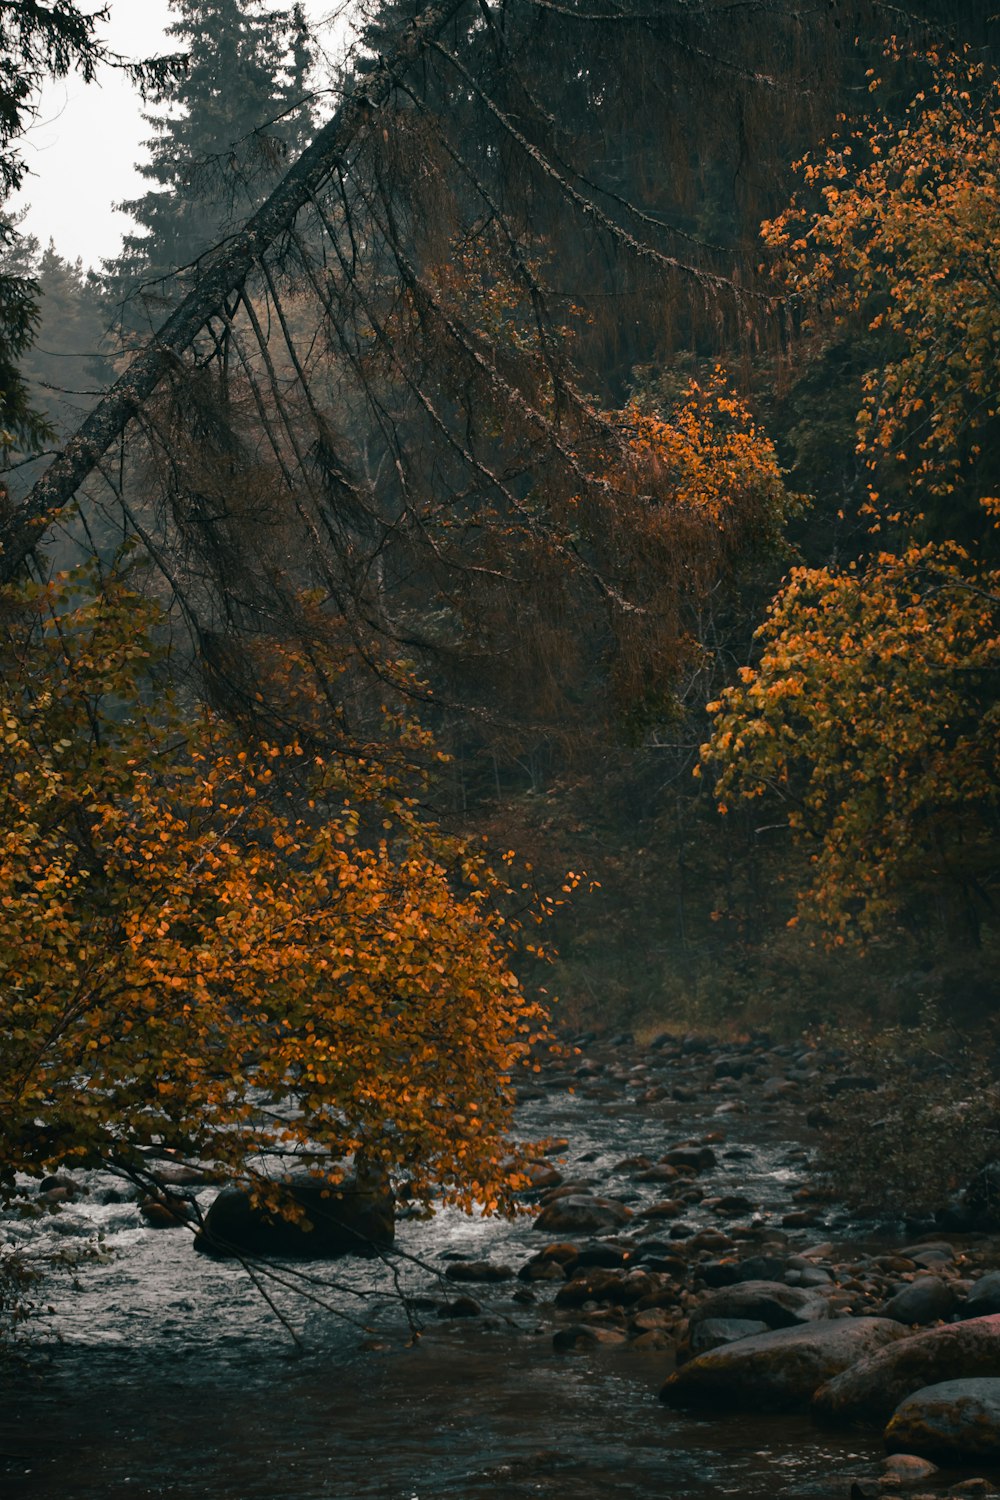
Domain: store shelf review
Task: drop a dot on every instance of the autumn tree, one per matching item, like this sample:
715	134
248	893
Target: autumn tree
233	950
401	391
871	713
896	223
871	717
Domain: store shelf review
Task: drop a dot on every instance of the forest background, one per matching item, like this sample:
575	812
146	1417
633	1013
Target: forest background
592	466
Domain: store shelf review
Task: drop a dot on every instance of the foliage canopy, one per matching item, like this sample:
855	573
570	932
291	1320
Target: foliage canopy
237	951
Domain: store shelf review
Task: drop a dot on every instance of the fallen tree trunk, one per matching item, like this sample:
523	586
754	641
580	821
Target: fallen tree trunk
225	271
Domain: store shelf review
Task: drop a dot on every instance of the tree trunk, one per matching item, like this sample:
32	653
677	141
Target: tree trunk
225	270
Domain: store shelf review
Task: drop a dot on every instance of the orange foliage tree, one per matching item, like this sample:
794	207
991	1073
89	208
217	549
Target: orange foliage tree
872	711
232	948
898	220
872	715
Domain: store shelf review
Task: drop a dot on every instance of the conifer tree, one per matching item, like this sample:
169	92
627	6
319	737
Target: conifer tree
222	135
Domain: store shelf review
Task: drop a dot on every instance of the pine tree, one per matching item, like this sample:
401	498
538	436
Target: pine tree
37	42
221	139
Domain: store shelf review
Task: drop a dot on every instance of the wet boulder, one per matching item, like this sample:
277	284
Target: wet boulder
542	1175
166	1213
603	1253
666	1208
353	1217
579	1213
462	1307
584	1336
924	1301
769	1302
778	1370
954	1422
554	1263
712	1333
618	1288
871	1391
479	1270
689	1158
984	1298
761	1268
908	1467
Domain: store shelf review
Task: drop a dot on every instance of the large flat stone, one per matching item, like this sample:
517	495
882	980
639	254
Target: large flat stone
955	1422
871	1391
779	1370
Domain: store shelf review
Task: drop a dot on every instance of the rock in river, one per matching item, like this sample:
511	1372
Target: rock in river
581	1214
779	1370
712	1333
478	1270
923	1301
984	1297
957	1421
769	1302
871	1391
355	1217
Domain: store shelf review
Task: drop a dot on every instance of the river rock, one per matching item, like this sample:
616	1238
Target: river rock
653	1341
59	1188
583	1336
661	1173
984	1298
478	1270
712	1333
542	1174
578	1213
762	1268
667	1208
908	1467
689	1158
462	1307
778	1370
620	1288
166	1213
354	1217
924	1301
871	1391
602	1253
956	1421
769	1302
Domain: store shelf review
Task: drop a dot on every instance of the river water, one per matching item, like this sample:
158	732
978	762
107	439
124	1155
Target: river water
163	1373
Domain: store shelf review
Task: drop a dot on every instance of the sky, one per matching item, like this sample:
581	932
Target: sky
82	150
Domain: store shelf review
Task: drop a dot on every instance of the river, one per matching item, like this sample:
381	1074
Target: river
162	1373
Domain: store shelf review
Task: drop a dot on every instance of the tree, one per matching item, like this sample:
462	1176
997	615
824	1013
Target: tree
37	41
872	717
232	950
66	366
872	711
235	115
898	221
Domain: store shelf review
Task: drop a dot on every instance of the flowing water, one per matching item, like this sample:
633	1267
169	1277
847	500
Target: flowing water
168	1374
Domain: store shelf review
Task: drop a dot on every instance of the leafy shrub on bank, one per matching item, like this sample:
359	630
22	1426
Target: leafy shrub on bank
911	1116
